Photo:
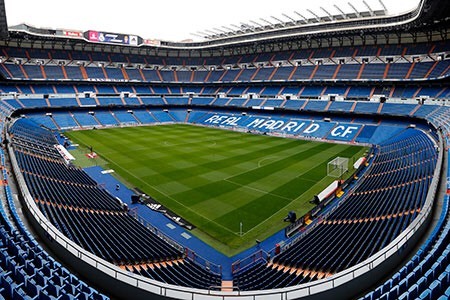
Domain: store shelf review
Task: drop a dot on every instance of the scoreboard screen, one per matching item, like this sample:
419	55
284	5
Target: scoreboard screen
3	23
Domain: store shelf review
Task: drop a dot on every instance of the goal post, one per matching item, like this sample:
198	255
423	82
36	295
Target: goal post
337	167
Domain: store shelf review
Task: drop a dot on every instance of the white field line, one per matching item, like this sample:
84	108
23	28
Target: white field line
257	190
149	185
227	179
187	207
256	226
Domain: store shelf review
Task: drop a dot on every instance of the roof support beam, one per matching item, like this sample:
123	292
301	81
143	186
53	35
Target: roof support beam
301	16
368	7
288	17
356	11
277	19
256	23
314	14
326	11
341	11
270	23
384	6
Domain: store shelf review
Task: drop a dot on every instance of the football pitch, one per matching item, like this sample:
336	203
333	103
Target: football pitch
218	179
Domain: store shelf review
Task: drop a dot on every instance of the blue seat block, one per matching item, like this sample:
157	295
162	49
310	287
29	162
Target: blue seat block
404	296
429	275
447	292
444	278
411	279
377	293
368	296
395	279
422	284
436	268
393	293
435	288
403	286
425	295
387	286
31	290
413	291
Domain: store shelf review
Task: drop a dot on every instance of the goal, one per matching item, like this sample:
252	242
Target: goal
337	167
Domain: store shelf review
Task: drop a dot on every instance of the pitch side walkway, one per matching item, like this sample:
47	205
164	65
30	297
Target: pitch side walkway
178	233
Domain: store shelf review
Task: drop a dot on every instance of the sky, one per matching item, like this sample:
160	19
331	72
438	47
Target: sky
173	20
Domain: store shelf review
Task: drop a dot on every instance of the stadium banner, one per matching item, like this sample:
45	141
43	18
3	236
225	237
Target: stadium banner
133	40
152	42
70	33
112	38
345	131
291	126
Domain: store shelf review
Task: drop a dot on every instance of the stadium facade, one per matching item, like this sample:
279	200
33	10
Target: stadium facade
366	78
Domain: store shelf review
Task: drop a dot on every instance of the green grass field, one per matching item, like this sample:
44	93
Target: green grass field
216	178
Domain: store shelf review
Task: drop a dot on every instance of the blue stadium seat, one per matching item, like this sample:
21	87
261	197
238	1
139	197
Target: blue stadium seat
447	292
425	295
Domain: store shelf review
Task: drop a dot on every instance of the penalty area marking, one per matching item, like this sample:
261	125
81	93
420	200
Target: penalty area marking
258	190
170	197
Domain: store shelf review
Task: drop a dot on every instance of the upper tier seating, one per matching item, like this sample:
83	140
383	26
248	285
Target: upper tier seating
321	53
312	66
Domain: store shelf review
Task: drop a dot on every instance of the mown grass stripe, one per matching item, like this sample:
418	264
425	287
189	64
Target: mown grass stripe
185	168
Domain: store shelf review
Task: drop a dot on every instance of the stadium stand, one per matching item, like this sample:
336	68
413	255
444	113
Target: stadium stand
389	93
374	70
95	225
27	270
332	245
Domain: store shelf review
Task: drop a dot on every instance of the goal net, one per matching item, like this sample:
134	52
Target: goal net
337	167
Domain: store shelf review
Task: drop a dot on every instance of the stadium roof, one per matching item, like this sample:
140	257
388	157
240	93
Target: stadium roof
375	22
179	20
